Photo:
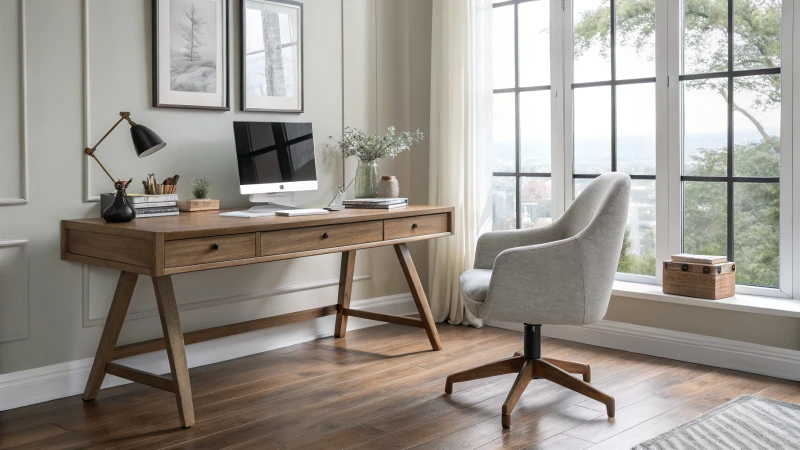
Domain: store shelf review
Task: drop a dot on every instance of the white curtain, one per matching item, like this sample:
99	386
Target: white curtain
461	126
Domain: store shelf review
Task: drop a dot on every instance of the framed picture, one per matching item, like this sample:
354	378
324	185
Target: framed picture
272	55
190	54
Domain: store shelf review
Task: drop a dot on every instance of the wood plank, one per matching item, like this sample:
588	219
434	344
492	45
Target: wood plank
194	337
346	272
116	317
561	442
518	436
256	444
601	428
742	385
30	435
343	438
138	376
389	318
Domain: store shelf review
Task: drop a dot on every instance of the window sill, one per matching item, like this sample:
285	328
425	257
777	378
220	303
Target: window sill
785	307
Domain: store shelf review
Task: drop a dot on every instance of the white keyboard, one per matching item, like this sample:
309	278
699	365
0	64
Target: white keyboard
301	212
266	211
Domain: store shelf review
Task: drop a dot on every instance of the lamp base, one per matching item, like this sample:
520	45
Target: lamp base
119	211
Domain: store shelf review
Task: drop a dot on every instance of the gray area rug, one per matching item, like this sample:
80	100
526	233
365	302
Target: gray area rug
747	422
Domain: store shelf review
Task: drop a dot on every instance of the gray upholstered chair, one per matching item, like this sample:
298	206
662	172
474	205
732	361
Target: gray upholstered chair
561	274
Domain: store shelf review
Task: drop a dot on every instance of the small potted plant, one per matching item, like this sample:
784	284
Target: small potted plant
200	187
201	202
369	148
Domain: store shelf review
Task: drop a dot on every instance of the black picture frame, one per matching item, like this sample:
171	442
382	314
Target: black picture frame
243	59
157	103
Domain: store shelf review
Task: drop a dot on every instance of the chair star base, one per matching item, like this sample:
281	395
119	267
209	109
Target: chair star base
529	368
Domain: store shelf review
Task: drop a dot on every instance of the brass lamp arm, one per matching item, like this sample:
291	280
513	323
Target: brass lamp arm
90	151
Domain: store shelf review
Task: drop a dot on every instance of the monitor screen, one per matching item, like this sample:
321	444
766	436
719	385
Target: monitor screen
274	152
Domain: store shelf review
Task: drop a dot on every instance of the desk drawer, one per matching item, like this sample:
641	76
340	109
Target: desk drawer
415	226
189	252
316	238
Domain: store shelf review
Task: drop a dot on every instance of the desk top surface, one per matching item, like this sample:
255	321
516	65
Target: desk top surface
210	223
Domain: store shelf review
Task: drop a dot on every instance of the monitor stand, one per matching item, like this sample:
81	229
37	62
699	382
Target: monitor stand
267	203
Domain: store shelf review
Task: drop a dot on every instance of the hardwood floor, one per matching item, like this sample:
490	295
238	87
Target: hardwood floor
383	387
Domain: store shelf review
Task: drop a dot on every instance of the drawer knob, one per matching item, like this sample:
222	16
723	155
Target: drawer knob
215	246
325	235
414	226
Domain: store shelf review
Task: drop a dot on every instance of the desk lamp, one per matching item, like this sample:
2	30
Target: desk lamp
145	142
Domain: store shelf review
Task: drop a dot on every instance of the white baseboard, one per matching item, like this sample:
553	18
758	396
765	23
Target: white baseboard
695	348
42	384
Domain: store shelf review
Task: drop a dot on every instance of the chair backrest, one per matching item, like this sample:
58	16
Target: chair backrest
598	218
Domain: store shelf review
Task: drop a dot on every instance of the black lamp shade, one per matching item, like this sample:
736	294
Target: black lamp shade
145	141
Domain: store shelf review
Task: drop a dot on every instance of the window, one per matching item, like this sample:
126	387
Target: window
684	96
521	163
731	116
614	112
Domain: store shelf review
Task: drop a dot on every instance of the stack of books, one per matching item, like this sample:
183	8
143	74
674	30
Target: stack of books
376	203
147	205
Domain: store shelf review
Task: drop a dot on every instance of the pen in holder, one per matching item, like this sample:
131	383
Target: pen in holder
169	186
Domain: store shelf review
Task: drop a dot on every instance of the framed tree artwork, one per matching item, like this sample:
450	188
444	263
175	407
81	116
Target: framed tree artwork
272	55
190	54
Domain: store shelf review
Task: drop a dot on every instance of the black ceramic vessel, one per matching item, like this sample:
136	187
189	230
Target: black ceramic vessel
120	210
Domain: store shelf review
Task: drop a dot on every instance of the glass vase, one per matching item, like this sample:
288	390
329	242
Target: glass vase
367	179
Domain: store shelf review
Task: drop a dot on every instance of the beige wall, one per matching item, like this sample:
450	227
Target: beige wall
761	329
65	302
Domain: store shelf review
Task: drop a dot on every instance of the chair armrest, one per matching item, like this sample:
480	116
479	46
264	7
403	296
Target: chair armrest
491	244
538	284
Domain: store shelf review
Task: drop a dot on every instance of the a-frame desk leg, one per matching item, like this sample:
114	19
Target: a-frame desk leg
114	321
176	351
173	339
345	289
419	294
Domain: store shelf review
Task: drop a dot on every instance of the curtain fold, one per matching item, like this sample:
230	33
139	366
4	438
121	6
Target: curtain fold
460	145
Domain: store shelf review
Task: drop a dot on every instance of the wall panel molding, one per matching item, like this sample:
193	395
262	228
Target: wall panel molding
87	134
93	321
23	111
21	319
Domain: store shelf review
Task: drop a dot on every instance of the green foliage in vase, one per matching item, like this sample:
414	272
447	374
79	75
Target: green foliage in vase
371	147
757	44
200	187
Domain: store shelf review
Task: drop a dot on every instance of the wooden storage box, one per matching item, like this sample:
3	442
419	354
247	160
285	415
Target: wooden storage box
709	281
198	204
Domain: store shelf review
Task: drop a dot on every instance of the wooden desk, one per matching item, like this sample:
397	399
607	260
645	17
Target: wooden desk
163	246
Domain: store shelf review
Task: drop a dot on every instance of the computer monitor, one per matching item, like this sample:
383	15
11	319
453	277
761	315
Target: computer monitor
275	157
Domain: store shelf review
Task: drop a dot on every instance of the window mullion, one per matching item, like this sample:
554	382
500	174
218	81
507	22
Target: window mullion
557	85
569	125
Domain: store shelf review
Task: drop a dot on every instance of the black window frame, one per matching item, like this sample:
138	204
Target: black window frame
729	179
517	90
613	83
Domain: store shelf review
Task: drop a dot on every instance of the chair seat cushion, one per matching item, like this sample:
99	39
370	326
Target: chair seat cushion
474	288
